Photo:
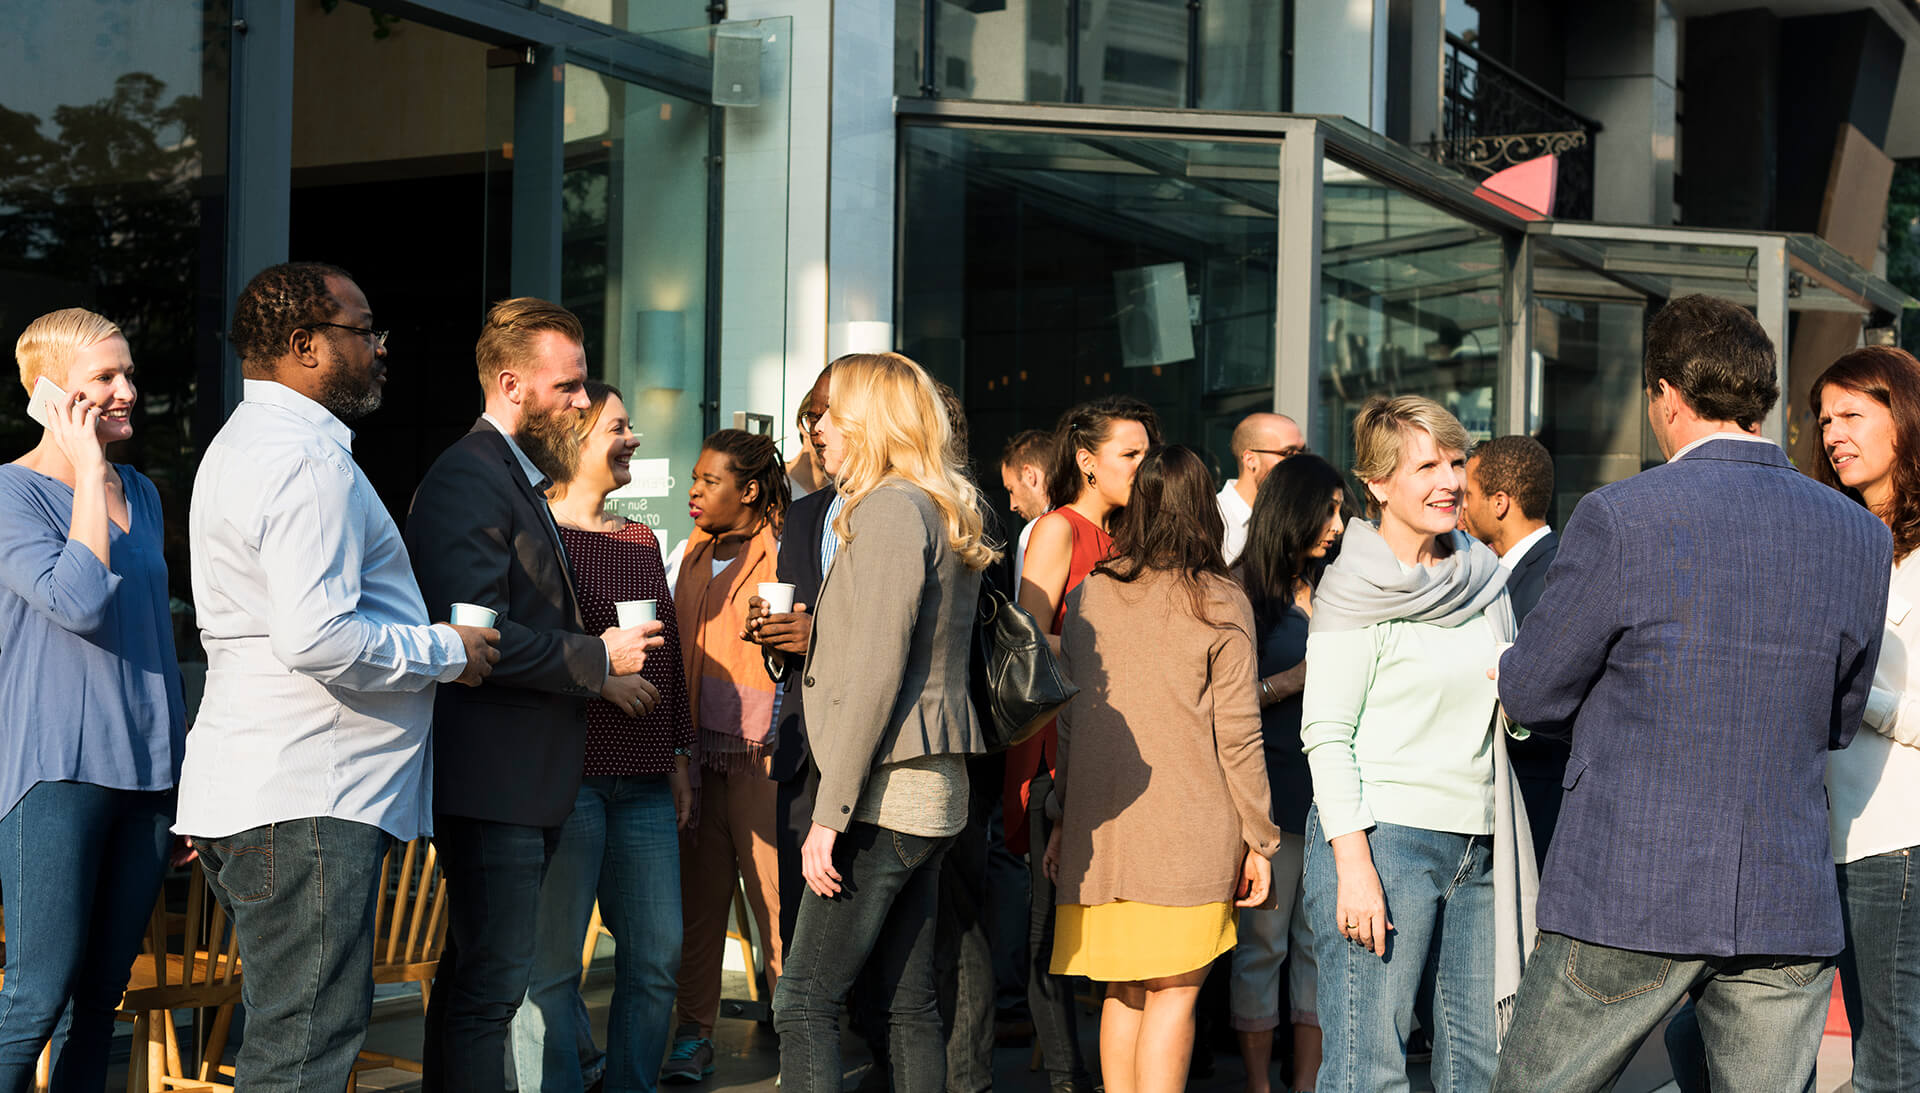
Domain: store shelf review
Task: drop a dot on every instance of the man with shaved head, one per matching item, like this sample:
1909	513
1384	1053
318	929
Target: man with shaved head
1260	442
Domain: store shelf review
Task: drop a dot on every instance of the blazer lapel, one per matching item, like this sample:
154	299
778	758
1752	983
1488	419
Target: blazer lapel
540	514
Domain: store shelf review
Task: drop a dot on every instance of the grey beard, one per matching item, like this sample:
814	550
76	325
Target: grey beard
347	402
549	442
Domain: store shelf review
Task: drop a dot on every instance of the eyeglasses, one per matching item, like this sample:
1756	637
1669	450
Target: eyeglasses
810	422
379	336
1283	453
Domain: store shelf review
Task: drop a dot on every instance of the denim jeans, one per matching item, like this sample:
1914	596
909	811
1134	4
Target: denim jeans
79	867
1880	971
1584	1009
620	843
883	918
494	872
1049	996
301	894
963	958
1439	892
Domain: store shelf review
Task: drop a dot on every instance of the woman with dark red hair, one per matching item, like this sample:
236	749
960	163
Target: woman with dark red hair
1868	407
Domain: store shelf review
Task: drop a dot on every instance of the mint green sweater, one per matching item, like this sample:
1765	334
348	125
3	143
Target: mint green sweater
1396	721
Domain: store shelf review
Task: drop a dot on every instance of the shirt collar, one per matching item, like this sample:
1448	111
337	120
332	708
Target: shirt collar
1728	435
1518	551
535	476
1232	503
275	393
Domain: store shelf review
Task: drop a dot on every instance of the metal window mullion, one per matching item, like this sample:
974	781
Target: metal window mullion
539	155
1297	317
1770	276
260	157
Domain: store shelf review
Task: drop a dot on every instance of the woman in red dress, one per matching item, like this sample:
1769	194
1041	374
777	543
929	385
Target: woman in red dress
1100	445
622	841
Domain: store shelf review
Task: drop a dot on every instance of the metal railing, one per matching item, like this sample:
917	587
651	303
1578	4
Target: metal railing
1493	118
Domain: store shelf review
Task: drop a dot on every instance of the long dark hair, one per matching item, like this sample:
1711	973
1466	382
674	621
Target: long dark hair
1171	524
755	459
1890	377
1289	514
1085	428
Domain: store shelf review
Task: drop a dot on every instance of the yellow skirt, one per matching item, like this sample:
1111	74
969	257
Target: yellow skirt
1121	942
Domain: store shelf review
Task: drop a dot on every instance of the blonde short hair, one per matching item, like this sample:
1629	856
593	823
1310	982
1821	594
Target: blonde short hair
46	347
1380	428
511	328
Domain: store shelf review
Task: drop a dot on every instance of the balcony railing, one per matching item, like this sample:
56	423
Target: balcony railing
1494	117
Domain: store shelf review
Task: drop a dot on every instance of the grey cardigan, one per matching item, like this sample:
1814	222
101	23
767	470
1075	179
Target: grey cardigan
886	677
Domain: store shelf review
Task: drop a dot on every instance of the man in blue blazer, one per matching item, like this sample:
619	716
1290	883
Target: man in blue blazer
1708	631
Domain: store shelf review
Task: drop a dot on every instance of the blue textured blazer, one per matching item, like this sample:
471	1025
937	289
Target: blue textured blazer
1709	630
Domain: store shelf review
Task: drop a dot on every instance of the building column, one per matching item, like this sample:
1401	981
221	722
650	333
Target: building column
1622	67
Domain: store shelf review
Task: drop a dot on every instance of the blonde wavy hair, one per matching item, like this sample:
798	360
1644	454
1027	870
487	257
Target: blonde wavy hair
46	347
895	424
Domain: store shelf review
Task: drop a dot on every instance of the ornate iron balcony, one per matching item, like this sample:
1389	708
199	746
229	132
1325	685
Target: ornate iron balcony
1494	117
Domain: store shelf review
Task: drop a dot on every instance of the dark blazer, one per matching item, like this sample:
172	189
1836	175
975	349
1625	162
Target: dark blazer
799	566
512	749
1529	576
1708	631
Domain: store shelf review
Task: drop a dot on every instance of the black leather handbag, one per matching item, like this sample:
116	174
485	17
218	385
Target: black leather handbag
1016	683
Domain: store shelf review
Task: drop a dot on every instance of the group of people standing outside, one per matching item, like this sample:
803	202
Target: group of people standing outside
1526	791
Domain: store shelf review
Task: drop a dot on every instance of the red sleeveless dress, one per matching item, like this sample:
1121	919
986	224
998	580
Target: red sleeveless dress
1091	545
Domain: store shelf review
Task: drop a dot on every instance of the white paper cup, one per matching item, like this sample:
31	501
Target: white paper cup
779	597
635	612
472	614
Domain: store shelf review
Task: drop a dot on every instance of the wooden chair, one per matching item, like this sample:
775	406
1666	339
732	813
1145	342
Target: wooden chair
409	932
200	972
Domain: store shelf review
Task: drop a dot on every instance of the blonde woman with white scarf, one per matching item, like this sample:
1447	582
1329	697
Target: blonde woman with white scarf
1418	860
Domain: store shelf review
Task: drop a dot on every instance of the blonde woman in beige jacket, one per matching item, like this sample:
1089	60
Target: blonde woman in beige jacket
1161	796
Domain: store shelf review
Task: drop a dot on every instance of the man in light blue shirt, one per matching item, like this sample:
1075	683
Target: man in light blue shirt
310	753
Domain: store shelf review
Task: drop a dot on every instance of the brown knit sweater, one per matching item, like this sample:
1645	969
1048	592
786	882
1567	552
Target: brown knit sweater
1162	779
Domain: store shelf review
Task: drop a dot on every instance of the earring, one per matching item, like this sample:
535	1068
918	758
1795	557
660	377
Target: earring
1089	478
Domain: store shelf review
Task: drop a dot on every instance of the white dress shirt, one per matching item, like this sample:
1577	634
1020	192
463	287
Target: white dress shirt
1728	435
1519	550
1871	782
1020	554
1235	513
320	660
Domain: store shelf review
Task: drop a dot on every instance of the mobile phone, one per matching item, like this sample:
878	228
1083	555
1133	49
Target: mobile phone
46	395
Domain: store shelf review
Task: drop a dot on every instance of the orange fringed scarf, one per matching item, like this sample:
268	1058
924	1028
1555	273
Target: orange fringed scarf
728	688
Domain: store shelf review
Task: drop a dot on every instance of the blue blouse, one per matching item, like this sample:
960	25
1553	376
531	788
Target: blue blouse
89	685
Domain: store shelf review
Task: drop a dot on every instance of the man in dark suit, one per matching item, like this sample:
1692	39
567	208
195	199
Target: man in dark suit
508	755
1509	484
1708	631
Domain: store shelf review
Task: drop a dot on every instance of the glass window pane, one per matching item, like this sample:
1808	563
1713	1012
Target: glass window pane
1041	270
1410	305
1593	410
634	268
113	122
1240	55
1133	52
1012	50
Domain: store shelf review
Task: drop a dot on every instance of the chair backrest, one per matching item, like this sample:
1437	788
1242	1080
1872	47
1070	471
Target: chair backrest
410	920
209	948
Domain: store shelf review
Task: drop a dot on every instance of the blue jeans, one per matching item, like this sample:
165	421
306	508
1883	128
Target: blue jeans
79	867
1880	971
621	843
1584	1009
301	897
884	915
494	872
1439	892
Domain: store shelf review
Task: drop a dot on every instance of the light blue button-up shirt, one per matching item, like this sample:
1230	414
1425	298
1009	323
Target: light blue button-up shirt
320	659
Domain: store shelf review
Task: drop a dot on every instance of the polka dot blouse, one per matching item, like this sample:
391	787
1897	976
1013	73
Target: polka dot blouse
608	568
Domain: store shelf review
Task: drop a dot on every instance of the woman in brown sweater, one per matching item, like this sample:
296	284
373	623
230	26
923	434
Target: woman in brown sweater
1160	792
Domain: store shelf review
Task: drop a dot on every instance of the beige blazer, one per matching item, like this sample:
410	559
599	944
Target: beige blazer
886	677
